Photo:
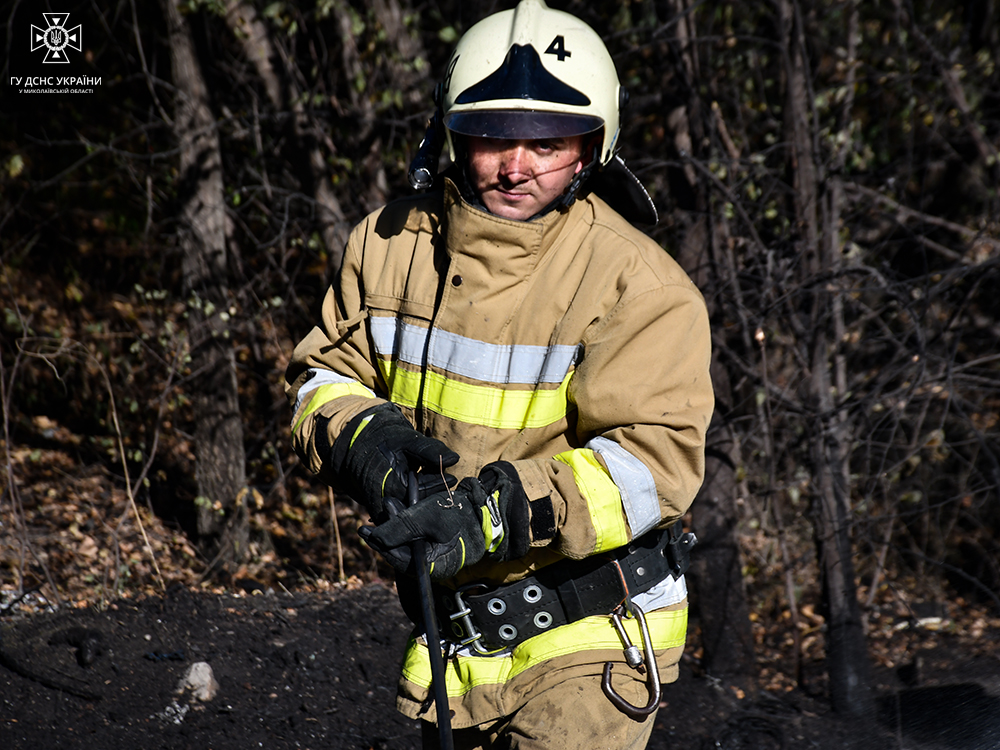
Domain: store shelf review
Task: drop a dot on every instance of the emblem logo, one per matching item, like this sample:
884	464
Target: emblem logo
56	38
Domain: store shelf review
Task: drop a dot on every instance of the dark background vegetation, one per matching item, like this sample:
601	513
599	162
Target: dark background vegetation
826	170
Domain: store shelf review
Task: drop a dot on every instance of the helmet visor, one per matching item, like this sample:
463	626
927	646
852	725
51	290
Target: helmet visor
521	124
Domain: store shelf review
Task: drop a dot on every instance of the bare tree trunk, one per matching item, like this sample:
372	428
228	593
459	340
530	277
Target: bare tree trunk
718	592
717	570
405	76
307	142
801	157
219	452
306	153
846	649
950	77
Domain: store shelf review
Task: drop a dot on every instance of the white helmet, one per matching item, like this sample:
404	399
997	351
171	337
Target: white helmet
531	72
534	72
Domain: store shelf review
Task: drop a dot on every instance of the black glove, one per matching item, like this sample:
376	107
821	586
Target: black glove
374	454
481	517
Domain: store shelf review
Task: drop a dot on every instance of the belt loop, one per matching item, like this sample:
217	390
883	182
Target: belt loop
569	595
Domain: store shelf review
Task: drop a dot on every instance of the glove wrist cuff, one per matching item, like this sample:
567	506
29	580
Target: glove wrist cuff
516	513
340	447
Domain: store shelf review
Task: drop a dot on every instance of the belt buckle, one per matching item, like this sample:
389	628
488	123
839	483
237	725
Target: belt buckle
463	616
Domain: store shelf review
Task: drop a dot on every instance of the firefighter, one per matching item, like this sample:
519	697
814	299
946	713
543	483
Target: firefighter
543	368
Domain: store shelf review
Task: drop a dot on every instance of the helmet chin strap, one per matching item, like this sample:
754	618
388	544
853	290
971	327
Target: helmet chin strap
571	193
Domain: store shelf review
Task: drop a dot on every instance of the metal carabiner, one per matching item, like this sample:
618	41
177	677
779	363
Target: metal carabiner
652	672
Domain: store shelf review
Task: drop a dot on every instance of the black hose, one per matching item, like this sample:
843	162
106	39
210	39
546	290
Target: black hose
431	630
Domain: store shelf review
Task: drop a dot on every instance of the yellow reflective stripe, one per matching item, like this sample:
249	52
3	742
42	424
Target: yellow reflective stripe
461	541
327	393
364	423
604	500
477	404
668	629
384	480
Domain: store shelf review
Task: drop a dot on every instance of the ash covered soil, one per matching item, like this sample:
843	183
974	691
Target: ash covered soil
319	671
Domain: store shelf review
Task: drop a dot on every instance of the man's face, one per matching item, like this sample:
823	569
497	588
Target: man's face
517	178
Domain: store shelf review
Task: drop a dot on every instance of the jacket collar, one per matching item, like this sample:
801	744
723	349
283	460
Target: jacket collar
471	230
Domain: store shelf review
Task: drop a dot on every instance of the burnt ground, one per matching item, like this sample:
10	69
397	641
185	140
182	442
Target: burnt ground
318	671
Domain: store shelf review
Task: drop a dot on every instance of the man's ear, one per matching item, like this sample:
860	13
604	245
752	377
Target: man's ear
592	148
589	151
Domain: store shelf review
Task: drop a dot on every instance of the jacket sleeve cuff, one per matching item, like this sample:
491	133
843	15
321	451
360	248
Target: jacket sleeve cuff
538	492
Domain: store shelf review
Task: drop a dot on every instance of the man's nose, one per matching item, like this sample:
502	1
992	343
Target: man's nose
515	162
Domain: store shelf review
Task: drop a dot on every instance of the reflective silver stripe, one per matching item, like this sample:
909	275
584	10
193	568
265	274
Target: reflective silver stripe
319	378
402	341
634	481
489	363
666	592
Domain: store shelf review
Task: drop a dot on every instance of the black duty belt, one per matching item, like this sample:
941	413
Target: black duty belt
491	619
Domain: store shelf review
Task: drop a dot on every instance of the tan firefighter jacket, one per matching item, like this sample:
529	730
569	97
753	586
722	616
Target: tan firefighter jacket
571	346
